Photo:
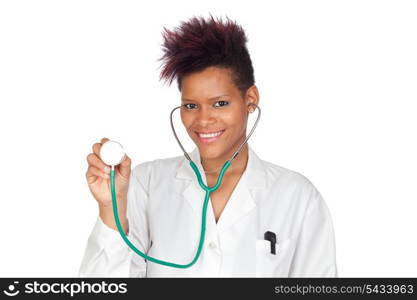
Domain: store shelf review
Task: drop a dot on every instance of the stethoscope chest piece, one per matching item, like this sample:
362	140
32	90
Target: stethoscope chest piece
112	153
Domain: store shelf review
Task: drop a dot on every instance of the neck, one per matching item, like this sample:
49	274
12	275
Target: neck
212	167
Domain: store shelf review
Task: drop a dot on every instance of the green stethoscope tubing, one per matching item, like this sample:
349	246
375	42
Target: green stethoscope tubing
207	189
203	219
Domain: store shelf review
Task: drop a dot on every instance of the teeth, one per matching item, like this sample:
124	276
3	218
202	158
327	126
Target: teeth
209	135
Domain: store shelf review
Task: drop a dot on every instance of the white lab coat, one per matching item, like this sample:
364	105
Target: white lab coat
165	207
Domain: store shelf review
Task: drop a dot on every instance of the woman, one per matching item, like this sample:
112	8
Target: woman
160	202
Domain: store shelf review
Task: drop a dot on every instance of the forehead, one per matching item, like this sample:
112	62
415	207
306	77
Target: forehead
209	83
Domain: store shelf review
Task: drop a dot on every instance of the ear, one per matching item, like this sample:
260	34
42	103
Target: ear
252	96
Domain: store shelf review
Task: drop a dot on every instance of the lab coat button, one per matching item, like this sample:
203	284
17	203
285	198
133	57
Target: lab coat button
212	245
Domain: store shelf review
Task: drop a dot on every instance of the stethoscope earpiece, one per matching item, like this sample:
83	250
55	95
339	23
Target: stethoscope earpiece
252	107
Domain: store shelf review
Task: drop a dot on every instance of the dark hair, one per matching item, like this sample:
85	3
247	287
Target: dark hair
199	43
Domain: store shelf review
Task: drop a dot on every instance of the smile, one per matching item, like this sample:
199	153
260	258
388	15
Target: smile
209	137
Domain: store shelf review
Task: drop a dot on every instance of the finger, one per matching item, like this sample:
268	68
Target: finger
95	161
94	173
97	146
125	167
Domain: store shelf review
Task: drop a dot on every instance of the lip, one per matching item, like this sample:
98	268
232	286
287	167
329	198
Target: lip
209	140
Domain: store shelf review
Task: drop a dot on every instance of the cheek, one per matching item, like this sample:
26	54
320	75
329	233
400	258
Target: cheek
186	120
235	120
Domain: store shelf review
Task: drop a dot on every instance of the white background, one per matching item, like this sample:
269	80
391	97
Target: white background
338	87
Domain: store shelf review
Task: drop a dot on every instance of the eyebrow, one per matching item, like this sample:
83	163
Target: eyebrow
212	98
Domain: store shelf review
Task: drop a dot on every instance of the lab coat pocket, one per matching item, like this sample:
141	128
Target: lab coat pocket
272	265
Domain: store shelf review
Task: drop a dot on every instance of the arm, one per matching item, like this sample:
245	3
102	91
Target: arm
106	254
315	253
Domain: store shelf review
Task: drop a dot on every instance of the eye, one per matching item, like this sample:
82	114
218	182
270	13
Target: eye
189	105
221	103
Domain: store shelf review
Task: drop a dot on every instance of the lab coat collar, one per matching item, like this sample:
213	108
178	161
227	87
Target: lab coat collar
255	170
241	201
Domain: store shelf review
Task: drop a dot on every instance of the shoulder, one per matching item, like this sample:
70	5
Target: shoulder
290	188
146	171
285	178
294	193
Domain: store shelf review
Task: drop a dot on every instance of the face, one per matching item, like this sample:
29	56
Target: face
214	112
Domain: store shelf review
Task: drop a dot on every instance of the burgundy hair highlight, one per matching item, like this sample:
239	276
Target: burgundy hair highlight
200	43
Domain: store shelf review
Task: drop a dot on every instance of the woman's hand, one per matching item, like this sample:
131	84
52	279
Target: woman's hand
98	179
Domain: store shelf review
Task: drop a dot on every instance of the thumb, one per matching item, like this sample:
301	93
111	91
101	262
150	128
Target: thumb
125	167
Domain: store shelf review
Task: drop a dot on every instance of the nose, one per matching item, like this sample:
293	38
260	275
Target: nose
205	117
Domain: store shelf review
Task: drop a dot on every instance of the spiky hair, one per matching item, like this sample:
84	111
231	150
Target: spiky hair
200	43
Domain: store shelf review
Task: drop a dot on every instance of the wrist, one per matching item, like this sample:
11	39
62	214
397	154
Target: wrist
107	216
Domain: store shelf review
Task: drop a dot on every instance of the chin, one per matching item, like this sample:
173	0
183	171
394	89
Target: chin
210	152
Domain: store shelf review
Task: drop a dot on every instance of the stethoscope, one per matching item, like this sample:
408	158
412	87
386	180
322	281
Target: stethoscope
112	154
